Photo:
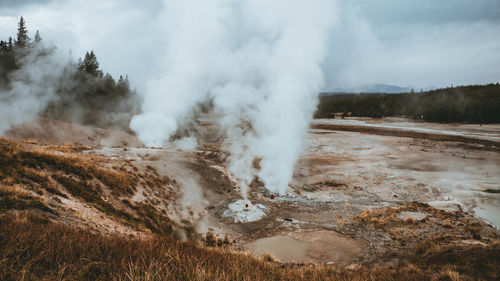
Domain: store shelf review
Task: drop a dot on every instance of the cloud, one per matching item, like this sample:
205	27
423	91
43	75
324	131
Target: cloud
420	44
9	4
417	43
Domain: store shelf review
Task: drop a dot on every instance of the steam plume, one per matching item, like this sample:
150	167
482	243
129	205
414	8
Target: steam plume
259	62
32	87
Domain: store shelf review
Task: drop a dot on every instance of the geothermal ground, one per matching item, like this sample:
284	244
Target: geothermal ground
363	191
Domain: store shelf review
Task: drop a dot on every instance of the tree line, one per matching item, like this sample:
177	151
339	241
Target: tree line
472	104
83	93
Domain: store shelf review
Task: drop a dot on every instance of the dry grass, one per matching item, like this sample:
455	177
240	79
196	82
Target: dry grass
154	220
210	240
44	169
437	242
32	248
475	261
16	198
19	161
456	225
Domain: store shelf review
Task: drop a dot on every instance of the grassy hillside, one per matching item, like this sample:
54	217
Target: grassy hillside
40	177
473	104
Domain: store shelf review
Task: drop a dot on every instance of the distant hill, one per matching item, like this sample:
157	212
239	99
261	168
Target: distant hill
370	88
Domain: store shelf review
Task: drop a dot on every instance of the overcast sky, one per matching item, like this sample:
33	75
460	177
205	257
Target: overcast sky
425	43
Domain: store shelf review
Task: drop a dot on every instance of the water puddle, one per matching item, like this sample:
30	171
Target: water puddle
490	213
282	248
318	246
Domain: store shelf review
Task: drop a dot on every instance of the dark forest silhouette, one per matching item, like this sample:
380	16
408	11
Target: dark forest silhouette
473	104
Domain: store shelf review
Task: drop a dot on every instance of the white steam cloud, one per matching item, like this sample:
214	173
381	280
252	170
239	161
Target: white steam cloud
32	87
259	61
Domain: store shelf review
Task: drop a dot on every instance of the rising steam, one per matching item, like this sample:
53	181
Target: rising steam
32	87
259	63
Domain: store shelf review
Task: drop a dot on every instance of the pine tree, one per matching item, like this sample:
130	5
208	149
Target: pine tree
123	82
90	65
79	64
23	40
38	38
109	83
10	44
122	87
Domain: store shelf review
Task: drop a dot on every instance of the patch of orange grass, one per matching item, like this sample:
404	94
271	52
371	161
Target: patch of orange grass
14	197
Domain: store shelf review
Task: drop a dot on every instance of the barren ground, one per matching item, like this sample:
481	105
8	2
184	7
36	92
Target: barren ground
364	191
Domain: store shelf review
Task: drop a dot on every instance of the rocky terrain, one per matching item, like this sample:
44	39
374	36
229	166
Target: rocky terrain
364	193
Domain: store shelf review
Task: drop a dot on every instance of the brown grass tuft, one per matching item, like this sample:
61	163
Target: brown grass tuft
16	198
